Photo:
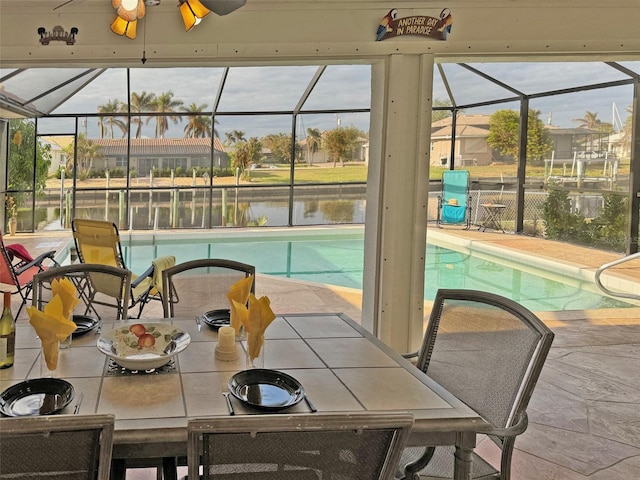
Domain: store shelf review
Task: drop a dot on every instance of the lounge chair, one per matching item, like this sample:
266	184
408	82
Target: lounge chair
98	242
18	267
454	203
488	351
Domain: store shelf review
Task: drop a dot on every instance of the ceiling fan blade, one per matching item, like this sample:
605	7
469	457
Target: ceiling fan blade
223	7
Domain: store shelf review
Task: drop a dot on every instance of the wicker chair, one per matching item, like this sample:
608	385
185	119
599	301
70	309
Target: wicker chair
195	287
69	447
488	351
362	446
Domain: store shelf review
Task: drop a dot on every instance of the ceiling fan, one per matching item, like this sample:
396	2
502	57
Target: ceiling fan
220	7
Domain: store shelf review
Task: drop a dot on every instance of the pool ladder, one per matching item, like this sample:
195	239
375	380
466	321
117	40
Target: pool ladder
601	269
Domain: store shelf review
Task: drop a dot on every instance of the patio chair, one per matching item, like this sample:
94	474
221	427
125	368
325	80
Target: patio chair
361	445
98	242
454	203
488	351
102	288
198	286
17	270
69	447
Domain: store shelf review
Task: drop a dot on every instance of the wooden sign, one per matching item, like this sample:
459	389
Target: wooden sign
431	27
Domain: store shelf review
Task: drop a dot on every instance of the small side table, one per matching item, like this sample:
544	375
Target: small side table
492	216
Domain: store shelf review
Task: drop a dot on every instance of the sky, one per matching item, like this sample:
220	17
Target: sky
279	88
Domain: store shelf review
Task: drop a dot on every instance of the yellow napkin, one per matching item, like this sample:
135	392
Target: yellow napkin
67	292
239	294
54	324
255	319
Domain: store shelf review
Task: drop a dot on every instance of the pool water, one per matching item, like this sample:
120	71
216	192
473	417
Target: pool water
339	261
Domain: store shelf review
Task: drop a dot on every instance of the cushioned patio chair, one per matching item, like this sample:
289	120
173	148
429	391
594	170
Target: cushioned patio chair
69	447
488	351
98	242
454	203
198	286
103	289
357	446
18	267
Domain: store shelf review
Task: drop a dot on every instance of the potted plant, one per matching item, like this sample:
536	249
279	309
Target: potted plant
12	211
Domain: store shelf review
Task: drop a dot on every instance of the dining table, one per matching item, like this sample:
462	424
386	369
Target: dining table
342	367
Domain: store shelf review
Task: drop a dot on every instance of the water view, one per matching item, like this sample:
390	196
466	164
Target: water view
338	260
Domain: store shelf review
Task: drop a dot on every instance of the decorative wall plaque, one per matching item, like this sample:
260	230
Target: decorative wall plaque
431	27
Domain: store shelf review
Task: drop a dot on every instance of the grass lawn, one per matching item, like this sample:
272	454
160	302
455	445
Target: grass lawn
327	173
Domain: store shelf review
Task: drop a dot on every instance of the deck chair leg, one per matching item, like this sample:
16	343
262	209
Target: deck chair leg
25	298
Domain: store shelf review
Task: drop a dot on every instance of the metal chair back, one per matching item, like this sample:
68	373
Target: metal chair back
488	351
198	286
69	447
102	289
357	446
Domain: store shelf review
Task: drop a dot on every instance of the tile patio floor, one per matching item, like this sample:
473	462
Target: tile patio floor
584	417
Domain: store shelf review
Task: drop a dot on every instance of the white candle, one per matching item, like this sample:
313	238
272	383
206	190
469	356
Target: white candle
226	337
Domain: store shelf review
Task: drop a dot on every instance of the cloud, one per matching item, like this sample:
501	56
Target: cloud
280	88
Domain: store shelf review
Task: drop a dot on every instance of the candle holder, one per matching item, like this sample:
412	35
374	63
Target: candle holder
227	348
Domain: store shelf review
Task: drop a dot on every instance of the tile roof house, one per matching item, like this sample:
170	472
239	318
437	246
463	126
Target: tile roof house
161	153
471	141
471	147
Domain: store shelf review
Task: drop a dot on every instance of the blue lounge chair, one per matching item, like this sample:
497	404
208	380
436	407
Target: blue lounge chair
454	204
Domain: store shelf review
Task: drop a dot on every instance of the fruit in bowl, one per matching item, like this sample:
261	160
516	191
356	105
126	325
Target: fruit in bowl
143	346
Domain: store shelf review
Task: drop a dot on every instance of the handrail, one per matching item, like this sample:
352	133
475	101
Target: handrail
602	268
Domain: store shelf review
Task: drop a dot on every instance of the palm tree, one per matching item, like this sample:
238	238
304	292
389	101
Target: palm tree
627	132
590	120
314	137
234	136
111	107
141	102
165	103
87	153
198	126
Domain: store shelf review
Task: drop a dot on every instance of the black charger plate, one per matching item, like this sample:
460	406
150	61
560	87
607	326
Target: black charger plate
84	323
217	318
268	390
39	396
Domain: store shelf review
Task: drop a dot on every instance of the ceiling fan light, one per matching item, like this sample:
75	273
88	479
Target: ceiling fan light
131	30
120	26
199	10
192	12
188	17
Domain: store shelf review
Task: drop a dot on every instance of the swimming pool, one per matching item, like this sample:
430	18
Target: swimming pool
335	257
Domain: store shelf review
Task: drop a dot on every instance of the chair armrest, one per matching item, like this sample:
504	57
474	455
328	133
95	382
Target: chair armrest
37	262
147	274
519	427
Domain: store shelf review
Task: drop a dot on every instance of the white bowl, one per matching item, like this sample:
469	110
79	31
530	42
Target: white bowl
129	345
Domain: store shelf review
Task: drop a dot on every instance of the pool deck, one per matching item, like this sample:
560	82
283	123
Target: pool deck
584	416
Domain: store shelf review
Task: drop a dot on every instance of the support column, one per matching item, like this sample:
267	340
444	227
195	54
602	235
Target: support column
634	180
395	237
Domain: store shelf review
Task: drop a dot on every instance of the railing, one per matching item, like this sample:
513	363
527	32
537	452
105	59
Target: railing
601	270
